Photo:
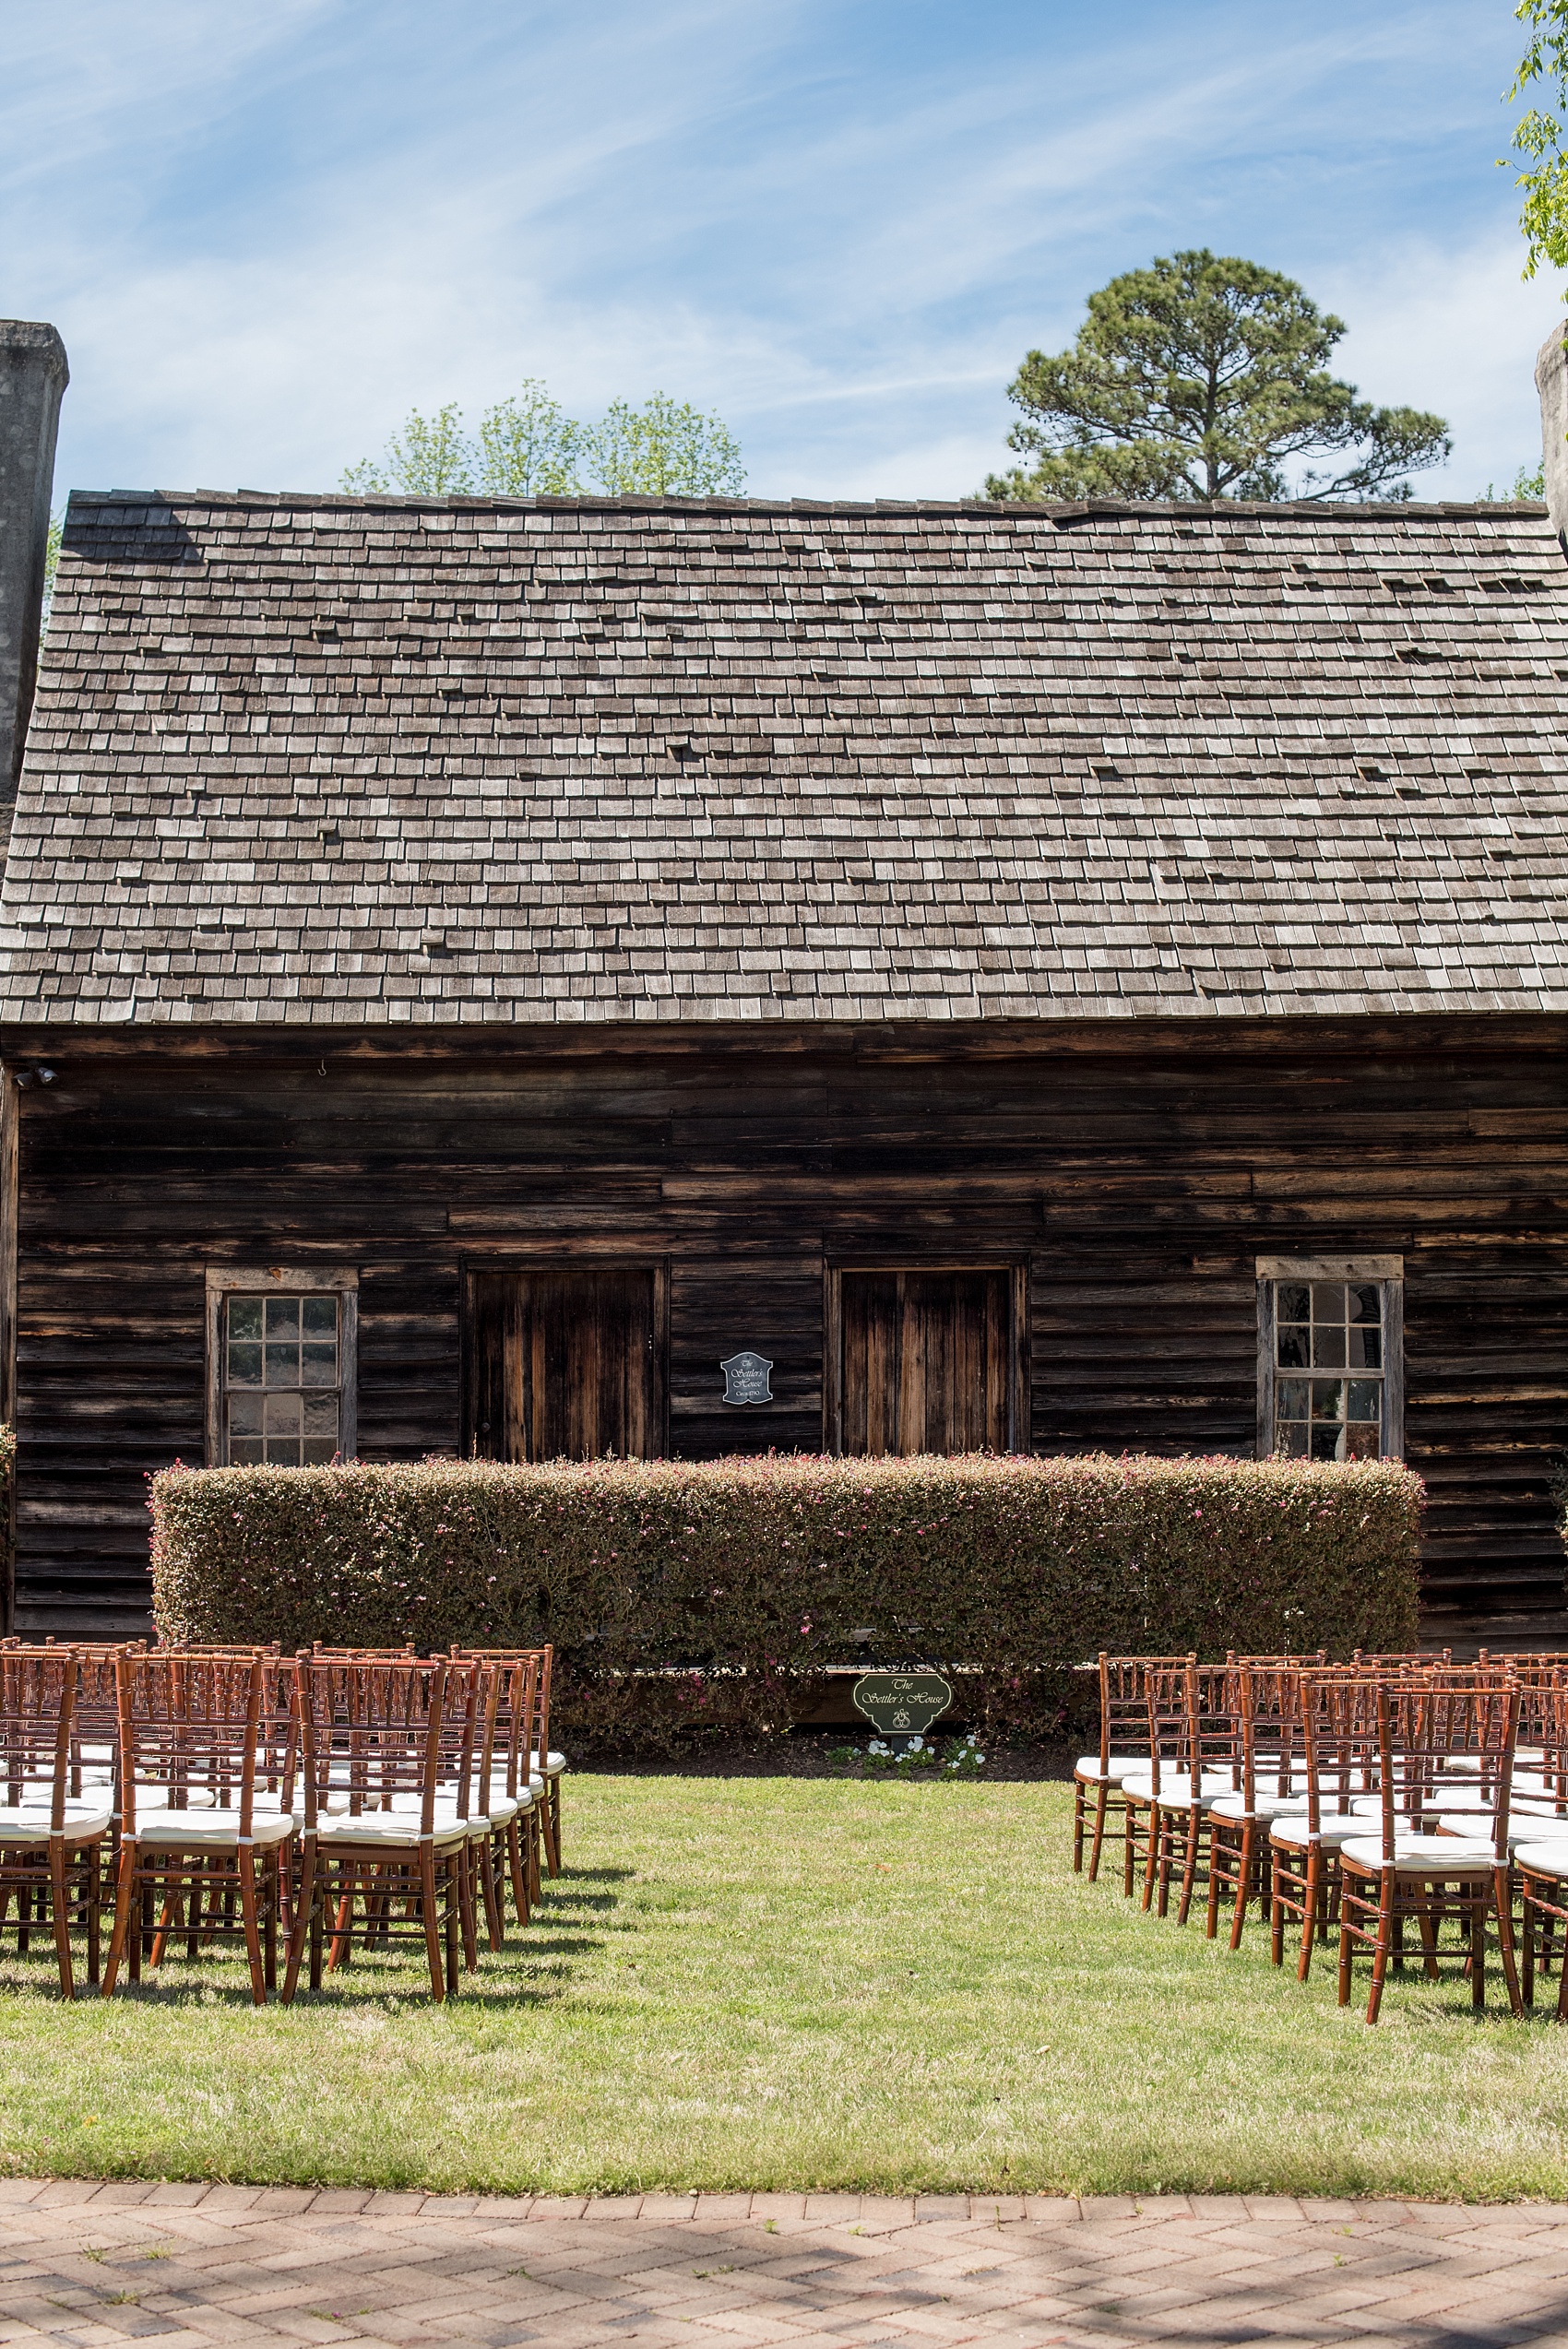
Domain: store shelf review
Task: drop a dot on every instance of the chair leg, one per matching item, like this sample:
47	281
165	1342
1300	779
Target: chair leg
1194	1835
94	1878
127	1901
517	1870
1502	1901
1387	1917
62	1908
432	1923
463	1865
1101	1804
1526	1935
252	1924
491	1892
551	1824
317	1929
300	1923
456	1895
1246	1865
1312	1895
1479	1906
1077	1826
271	1881
1218	1860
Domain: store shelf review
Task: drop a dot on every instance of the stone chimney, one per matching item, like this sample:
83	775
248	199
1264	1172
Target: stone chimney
33	375
1552	382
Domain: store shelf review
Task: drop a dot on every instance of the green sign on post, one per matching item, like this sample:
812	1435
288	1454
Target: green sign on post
902	1704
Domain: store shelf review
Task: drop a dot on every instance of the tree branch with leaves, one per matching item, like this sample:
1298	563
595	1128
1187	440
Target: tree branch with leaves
1537	134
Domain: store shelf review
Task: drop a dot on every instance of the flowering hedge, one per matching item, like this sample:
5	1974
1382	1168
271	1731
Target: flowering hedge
684	1599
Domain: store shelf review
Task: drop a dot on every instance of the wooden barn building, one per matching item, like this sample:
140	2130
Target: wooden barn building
643	976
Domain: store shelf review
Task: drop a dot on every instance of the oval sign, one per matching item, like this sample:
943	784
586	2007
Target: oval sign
902	1704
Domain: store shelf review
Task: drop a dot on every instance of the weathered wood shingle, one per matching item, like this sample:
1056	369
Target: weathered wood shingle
356	761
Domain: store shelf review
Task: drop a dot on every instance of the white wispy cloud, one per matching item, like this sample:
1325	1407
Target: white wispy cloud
264	234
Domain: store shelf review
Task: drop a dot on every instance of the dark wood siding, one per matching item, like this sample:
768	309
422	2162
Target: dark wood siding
1136	1170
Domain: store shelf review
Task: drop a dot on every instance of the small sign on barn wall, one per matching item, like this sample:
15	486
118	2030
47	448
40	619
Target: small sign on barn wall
746	1378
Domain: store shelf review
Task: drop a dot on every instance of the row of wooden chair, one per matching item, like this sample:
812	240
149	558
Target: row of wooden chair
335	1799
1366	1798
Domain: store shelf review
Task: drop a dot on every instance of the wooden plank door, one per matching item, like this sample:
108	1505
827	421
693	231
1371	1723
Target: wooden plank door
927	1360
566	1365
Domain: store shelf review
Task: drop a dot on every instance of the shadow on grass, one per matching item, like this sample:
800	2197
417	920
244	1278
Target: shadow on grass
533	1968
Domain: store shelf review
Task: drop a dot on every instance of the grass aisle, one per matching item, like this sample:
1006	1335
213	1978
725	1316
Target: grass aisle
773	1983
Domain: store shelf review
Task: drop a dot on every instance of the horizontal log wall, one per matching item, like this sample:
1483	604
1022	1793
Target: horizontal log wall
1135	1170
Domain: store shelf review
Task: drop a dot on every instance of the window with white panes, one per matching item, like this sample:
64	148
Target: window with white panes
283	1358
1331	1335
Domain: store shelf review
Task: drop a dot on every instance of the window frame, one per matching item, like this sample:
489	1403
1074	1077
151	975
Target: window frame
226	1281
1388	1273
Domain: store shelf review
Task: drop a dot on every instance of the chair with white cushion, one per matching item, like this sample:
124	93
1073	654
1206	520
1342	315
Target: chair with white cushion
51	1840
1406	1869
548	1767
1166	1799
208	1760
513	1803
1124	1747
1339	1753
1266	1698
1539	1829
387	1755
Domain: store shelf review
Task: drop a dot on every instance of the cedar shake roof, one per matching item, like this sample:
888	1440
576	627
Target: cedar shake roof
363	761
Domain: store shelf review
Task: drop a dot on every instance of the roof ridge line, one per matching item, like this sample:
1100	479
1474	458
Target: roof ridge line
1223	510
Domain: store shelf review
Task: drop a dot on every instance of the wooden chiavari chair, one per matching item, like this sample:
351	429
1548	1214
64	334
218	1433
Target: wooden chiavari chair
51	1841
1164	1800
388	1752
1539	1842
1212	1770
1123	1746
1268	1700
1409	1869
547	1768
1339	1753
207	1759
513	1807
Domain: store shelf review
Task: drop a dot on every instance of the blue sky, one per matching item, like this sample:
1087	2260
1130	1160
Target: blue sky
266	231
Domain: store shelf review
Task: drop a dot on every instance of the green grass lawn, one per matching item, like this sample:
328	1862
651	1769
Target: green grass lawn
801	1983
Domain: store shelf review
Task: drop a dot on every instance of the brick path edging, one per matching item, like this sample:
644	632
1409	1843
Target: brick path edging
885	2209
88	2264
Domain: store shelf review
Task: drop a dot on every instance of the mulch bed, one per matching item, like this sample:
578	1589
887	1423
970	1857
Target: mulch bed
808	1753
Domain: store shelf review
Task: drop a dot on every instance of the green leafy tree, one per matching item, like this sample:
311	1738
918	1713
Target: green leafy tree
1199	378
1525	484
431	457
528	447
1537	134
663	449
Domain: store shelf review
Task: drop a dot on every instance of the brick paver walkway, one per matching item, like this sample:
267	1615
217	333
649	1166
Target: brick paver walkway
194	2265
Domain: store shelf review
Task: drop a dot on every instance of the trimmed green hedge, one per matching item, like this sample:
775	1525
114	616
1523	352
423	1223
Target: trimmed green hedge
706	1599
